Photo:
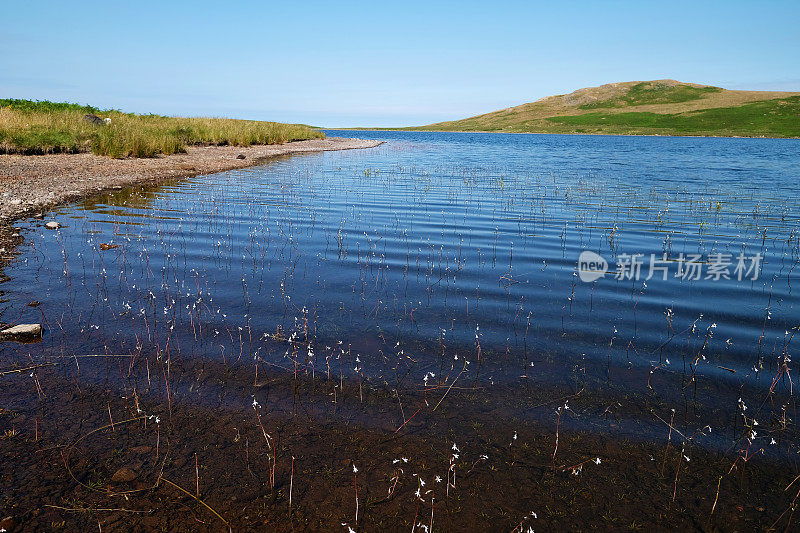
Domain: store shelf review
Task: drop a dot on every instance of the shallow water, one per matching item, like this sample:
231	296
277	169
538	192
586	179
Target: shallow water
457	246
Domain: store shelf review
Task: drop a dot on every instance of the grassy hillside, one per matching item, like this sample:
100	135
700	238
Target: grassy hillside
660	107
40	127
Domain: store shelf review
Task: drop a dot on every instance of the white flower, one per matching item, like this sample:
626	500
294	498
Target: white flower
597	461
437	479
355	470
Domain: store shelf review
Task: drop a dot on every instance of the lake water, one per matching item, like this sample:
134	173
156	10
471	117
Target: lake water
436	249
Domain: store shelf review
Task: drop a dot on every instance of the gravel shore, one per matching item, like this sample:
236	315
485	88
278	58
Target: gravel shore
32	184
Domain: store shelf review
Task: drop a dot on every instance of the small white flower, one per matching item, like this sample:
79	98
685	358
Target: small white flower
597	461
355	470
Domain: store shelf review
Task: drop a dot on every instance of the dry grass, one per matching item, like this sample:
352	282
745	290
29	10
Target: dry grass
41	127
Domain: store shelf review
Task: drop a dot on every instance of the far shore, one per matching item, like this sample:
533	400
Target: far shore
596	134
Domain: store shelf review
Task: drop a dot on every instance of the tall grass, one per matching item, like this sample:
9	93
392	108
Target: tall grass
28	127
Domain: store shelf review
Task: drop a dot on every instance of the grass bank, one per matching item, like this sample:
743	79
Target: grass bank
42	127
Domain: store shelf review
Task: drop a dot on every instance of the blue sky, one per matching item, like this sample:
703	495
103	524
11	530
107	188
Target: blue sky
380	63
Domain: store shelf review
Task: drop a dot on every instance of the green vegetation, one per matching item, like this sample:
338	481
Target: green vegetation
39	127
647	93
44	106
777	118
661	107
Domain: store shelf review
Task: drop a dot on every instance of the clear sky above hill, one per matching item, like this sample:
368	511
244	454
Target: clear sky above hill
381	63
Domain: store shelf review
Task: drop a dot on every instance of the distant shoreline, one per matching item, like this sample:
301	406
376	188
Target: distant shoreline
563	133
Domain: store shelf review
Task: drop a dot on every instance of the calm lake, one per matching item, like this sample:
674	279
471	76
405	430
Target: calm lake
442	251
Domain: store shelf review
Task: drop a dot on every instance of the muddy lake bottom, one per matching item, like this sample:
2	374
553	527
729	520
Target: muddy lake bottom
398	339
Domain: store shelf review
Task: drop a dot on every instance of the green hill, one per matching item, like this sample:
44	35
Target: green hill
659	107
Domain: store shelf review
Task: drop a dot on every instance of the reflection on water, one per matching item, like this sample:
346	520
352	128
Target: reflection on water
456	244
